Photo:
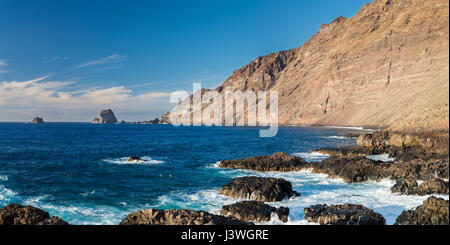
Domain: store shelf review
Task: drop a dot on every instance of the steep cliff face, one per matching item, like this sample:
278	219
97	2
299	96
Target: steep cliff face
385	67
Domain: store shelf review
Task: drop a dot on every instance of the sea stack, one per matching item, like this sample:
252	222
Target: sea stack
106	117
38	120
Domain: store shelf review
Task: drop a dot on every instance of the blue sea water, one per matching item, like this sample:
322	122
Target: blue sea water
78	171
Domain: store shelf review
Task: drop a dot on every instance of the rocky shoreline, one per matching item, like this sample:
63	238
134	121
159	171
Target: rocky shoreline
420	167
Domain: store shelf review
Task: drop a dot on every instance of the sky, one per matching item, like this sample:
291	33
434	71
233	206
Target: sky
67	60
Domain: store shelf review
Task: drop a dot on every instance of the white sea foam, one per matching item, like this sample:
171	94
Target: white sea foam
315	189
381	157
6	195
124	161
4	178
312	156
348	127
335	137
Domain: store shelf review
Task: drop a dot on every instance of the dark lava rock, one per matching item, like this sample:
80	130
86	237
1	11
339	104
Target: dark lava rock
136	159
353	169
407	186
38	120
259	189
433	211
347	214
344	151
254	211
352	136
178	217
434	186
276	162
420	169
15	214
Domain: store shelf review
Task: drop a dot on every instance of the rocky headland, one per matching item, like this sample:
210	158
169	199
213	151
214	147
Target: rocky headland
386	67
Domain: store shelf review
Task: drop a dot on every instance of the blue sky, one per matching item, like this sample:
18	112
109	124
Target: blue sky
66	60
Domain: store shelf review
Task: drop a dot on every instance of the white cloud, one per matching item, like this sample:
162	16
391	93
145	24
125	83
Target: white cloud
114	58
3	64
21	100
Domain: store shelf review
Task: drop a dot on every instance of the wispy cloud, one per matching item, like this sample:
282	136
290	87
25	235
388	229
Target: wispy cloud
114	58
2	64
55	58
50	97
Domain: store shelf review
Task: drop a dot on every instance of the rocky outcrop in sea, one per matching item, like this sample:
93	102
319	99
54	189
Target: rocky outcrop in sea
278	161
38	120
16	214
433	211
346	214
105	117
178	217
259	189
254	211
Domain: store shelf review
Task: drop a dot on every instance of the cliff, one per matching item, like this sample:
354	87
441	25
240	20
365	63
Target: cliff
387	67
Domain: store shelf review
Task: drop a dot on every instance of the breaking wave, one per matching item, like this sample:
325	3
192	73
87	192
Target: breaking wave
124	160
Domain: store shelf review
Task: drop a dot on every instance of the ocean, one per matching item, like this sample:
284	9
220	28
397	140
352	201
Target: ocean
78	171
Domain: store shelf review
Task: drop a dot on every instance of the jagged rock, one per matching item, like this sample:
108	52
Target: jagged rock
344	151
254	211
178	217
407	186
420	169
259	189
136	159
15	214
38	120
434	186
433	211
106	117
352	169
346	214
276	162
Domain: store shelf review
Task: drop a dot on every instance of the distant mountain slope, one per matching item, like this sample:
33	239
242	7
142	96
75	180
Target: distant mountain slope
386	67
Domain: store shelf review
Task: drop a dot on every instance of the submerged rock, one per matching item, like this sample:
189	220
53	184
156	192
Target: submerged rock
178	217
259	189
136	159
276	162
15	214
254	211
346	214
106	117
37	120
433	211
